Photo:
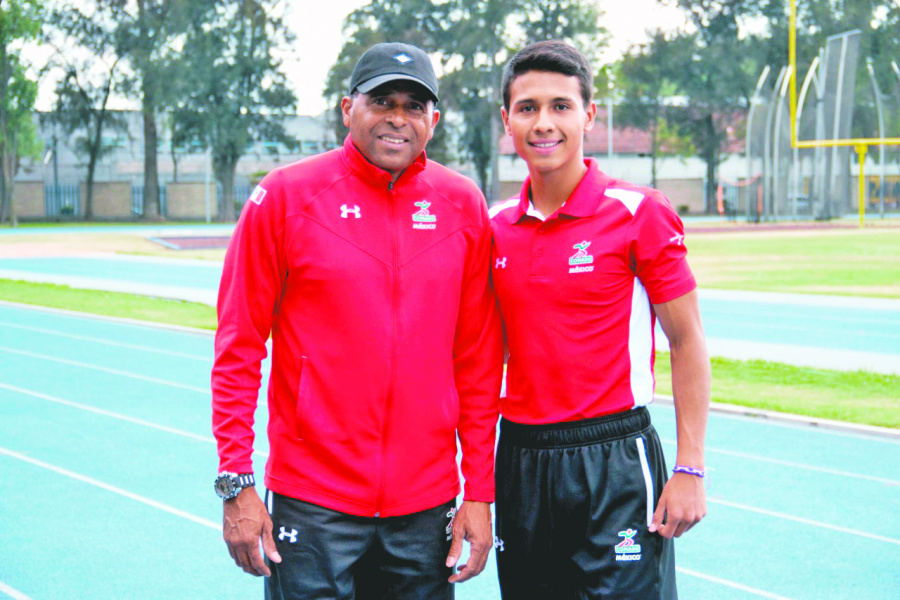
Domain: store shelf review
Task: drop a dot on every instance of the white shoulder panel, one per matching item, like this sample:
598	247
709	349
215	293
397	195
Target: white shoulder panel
497	208
629	198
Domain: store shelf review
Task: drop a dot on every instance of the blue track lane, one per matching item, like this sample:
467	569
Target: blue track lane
107	461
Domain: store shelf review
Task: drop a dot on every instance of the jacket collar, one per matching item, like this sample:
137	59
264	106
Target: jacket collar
374	174
584	200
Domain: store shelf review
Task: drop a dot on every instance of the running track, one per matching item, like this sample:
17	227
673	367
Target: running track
107	464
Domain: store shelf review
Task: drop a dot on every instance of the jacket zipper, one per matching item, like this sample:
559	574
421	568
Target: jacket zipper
395	335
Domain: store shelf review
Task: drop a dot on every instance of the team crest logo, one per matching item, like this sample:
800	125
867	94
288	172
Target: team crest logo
581	258
422	219
627	549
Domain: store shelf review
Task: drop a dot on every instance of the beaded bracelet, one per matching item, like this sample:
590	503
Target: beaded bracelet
689	470
703	474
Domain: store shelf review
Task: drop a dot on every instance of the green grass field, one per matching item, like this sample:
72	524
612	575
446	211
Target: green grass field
854	262
854	397
111	304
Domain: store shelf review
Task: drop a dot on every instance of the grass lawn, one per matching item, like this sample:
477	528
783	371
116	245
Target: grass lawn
855	262
112	304
851	396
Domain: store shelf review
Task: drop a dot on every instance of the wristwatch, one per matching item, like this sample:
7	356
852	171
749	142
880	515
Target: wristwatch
229	485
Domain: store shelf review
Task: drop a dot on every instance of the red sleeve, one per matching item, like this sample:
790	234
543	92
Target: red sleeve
657	252
251	285
478	363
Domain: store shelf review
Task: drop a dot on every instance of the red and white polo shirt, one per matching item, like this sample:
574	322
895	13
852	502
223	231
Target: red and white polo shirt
576	292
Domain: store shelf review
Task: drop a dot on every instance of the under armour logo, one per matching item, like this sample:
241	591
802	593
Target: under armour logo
292	536
346	211
500	263
498	544
677	238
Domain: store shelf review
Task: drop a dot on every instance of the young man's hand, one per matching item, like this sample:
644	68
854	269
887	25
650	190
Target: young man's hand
473	524
245	523
682	504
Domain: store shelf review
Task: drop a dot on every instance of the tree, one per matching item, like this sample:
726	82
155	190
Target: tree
19	22
82	95
236	93
647	87
716	79
150	35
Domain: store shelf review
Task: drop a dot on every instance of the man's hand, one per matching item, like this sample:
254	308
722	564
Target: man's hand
473	524
682	504
244	524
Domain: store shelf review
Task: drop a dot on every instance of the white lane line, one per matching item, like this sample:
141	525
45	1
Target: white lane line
730	584
107	413
111	488
13	593
136	323
819	524
119	416
82	365
787	463
84	338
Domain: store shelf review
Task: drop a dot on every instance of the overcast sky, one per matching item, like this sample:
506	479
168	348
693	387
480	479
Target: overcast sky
319	40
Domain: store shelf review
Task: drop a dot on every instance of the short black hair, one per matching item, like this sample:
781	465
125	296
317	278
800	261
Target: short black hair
553	56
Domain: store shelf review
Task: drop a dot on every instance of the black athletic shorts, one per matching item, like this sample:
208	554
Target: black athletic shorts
574	501
327	554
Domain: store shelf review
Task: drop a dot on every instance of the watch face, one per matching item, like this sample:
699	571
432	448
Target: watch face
226	486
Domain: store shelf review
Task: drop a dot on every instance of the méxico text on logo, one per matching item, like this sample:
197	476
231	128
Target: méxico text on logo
581	260
422	219
627	549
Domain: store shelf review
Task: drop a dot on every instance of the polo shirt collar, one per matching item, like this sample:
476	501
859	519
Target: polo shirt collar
369	172
585	198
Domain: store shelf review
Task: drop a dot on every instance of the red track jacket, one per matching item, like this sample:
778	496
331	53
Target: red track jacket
386	340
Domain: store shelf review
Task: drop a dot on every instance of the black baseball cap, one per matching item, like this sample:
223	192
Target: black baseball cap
391	61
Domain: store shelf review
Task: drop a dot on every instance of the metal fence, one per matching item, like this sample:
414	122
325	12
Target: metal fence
137	200
62	200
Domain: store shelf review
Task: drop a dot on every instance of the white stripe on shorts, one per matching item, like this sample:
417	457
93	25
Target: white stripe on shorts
648	479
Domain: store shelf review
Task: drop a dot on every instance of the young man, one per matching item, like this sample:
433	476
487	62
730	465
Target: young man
583	265
368	266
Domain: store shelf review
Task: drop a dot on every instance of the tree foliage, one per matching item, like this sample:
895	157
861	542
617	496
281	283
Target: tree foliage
19	22
150	35
235	93
646	84
83	93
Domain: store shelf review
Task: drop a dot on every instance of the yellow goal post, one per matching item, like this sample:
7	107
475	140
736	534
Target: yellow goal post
861	145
